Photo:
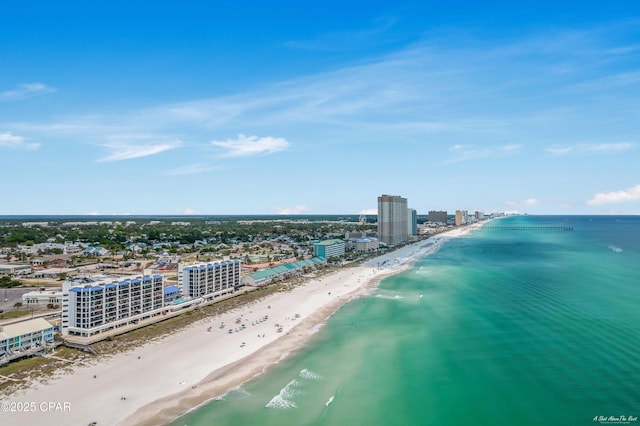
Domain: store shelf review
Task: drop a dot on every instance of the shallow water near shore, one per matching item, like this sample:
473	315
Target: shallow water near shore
498	327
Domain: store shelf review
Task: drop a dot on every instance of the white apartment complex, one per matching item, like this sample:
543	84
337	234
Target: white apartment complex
364	245
209	280
93	307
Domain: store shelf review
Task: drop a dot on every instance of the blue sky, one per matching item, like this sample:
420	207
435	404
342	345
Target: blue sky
298	107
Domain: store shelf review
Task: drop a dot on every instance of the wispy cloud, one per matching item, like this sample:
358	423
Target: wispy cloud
526	202
25	91
631	194
10	141
298	209
347	40
127	150
244	146
438	90
508	149
192	169
590	148
560	150
608	147
466	152
469	152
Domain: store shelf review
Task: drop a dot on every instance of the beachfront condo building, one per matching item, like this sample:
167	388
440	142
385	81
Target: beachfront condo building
479	215
210	279
438	216
24	338
392	219
328	249
462	217
364	245
412	222
91	307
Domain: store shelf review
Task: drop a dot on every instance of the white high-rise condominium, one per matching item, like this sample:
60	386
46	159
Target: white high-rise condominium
210	279
392	219
93	307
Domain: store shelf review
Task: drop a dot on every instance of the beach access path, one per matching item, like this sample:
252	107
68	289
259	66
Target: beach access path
161	380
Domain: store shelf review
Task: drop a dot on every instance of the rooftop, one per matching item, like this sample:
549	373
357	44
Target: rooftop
24	327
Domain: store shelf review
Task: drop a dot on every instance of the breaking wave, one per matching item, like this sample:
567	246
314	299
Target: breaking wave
284	399
310	375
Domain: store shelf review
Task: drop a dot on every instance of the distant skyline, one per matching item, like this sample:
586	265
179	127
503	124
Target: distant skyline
215	108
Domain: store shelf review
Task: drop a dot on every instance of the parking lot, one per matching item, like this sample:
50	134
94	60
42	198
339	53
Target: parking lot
13	296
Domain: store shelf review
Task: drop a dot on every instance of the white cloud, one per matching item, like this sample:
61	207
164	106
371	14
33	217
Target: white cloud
466	152
608	147
298	209
368	211
10	141
188	211
192	169
125	151
516	203
245	146
508	149
559	150
591	148
25	91
470	152
631	194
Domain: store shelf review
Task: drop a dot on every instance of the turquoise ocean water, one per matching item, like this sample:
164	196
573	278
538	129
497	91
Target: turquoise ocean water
513	328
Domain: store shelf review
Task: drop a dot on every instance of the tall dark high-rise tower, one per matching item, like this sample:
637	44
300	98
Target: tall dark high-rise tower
392	219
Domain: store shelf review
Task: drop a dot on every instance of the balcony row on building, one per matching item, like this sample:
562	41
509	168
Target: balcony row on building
91	307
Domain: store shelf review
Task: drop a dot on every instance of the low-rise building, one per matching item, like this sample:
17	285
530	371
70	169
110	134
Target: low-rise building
52	273
43	297
364	245
171	294
272	275
13	269
329	248
95	251
24	338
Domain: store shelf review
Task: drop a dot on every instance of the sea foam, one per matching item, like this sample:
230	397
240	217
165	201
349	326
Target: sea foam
237	391
310	375
284	399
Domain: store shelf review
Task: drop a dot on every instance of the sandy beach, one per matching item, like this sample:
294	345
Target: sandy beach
159	381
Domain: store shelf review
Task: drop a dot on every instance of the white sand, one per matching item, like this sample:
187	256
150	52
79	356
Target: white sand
194	365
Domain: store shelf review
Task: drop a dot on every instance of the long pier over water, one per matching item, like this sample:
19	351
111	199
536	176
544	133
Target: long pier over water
530	228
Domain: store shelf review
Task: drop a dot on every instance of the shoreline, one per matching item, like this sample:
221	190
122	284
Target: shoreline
161	381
